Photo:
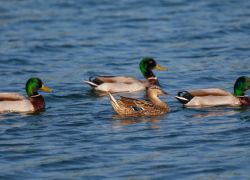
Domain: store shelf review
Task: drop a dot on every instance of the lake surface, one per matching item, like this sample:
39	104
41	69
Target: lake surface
203	44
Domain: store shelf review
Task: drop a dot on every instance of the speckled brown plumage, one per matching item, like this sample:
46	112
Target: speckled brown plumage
126	106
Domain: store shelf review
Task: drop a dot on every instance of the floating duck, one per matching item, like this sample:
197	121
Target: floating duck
216	97
130	106
18	103
126	83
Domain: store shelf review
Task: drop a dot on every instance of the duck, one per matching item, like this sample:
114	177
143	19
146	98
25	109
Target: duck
15	102
133	107
127	83
217	97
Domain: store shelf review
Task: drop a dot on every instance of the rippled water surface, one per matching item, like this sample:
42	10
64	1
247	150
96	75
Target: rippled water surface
203	44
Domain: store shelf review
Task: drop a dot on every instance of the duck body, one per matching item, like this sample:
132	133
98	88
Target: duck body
126	83
130	106
117	84
14	102
217	97
207	97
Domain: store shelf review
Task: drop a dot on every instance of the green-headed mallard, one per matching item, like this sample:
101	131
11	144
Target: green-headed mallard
126	83
216	97
129	106
18	103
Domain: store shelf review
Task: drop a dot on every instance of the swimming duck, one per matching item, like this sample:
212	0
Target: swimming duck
130	106
216	97
18	103
126	83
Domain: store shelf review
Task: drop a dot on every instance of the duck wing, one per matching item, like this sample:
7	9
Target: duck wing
11	97
116	79
207	97
117	83
186	96
209	92
137	103
15	103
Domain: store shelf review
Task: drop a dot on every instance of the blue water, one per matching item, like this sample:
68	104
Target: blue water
203	44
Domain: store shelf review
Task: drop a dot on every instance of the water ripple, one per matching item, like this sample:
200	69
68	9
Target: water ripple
203	44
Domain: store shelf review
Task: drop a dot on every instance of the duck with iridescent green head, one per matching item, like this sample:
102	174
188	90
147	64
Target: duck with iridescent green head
217	97
126	83
18	103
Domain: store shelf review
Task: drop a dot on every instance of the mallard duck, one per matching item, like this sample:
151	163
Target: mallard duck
130	106
216	97
126	83
18	103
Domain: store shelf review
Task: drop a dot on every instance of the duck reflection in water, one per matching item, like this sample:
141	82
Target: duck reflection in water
220	112
122	122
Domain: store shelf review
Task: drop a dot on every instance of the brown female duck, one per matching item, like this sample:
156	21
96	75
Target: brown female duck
130	106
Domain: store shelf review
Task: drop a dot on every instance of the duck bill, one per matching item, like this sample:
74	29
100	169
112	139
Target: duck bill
160	68
46	88
165	94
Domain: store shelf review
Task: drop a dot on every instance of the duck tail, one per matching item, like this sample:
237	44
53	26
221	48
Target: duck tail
113	102
93	85
184	97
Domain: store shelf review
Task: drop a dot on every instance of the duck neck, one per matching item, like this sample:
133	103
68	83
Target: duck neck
154	99
146	71
238	92
153	81
32	93
148	74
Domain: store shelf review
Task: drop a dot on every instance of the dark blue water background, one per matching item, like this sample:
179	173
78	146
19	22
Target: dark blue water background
203	44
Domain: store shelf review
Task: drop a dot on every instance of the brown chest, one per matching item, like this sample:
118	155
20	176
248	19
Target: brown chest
38	102
245	101
153	81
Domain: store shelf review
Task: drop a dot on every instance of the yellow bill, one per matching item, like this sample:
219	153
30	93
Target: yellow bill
160	68
46	88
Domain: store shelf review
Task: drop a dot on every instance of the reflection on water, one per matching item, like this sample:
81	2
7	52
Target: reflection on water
219	112
6	117
209	114
153	122
11	115
79	135
6	127
10	118
36	113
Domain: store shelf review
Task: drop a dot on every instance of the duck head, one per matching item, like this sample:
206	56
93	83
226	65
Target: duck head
154	90
35	84
147	65
241	85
